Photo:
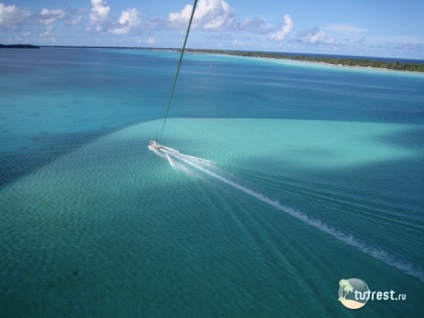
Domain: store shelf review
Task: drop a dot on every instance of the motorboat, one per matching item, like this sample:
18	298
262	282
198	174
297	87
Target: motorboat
155	144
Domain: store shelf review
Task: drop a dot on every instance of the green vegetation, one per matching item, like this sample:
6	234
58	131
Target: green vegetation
18	46
399	66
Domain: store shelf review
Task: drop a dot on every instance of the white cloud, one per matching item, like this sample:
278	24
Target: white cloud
209	15
182	16
118	30
320	37
50	16
151	40
99	14
130	19
286	28
314	36
12	15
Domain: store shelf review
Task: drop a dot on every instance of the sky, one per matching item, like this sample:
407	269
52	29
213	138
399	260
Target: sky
389	28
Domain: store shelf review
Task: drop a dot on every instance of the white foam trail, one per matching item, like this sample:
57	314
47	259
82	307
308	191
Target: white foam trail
172	163
187	157
348	239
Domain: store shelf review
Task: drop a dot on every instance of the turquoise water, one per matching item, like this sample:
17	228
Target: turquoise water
316	175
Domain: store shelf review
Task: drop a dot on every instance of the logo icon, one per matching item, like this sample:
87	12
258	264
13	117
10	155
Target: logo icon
349	288
354	293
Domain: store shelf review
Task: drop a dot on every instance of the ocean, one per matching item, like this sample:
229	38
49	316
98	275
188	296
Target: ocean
279	179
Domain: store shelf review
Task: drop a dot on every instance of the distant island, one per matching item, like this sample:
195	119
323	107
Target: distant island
340	61
18	46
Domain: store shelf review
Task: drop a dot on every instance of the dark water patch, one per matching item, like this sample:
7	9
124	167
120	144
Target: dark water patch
35	115
47	147
412	138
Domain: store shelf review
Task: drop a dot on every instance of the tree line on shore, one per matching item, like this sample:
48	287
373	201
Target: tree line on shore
348	61
18	46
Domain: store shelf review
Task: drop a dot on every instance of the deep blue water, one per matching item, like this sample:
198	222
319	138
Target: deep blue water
318	175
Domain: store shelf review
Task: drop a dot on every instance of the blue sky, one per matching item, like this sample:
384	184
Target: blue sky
349	27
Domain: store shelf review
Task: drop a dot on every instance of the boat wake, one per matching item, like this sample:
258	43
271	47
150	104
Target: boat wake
182	162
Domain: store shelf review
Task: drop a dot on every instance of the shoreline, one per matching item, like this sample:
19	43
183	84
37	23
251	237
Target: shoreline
353	67
364	64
